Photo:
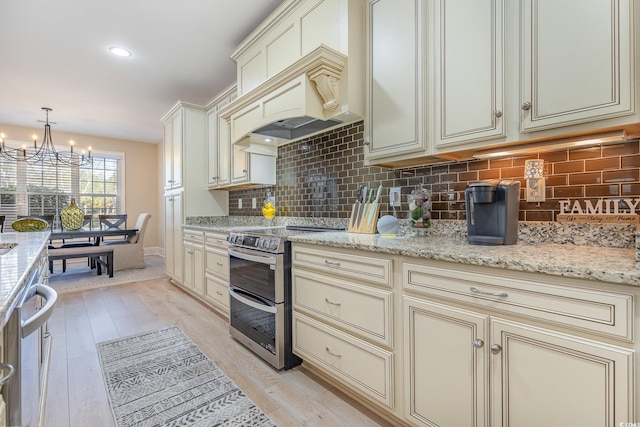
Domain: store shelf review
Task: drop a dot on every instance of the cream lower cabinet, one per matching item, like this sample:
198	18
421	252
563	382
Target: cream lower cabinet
173	257
475	364
342	319
194	261
217	271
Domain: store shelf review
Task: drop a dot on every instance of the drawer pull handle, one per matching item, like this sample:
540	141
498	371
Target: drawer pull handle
492	294
478	343
496	348
219	293
190	252
332	264
332	303
220	264
331	353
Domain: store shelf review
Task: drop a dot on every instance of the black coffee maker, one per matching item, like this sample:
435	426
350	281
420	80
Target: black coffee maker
492	212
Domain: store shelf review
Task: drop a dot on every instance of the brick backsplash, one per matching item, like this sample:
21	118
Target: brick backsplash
322	181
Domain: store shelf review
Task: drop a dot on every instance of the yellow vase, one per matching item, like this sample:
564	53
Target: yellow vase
71	217
269	211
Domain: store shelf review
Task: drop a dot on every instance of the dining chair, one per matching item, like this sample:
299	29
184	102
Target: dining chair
2	218
112	221
129	253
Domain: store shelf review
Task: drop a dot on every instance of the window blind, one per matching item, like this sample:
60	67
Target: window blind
42	190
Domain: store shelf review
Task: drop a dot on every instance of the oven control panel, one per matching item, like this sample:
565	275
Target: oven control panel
264	243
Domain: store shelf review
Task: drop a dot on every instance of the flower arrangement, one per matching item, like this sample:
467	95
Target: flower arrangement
420	208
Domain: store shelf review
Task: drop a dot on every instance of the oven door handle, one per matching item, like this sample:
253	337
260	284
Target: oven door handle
262	259
240	296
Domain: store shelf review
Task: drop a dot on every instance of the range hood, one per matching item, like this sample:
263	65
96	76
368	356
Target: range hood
296	127
306	98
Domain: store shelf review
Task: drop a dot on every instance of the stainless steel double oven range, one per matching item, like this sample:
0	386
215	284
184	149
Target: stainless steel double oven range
260	292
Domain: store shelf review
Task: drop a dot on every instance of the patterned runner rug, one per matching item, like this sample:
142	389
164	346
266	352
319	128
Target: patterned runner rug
161	378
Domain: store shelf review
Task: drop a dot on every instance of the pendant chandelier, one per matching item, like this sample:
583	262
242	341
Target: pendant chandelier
46	153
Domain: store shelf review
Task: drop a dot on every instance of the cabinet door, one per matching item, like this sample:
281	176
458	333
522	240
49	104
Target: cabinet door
543	378
468	70
239	165
212	148
224	153
396	84
193	267
563	80
168	154
446	373
173	236
173	140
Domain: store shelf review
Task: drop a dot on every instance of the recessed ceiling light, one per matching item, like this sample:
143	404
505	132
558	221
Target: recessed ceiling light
119	51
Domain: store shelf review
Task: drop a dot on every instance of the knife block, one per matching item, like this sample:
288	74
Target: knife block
363	211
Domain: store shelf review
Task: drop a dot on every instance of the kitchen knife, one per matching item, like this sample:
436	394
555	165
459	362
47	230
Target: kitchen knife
362	206
356	207
374	205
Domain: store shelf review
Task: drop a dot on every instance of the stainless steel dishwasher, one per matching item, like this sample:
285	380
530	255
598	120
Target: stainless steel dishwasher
27	347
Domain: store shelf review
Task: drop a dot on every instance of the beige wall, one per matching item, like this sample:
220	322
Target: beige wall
141	173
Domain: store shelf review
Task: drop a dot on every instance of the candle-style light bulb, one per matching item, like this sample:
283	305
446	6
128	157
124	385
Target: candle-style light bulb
71	143
24	150
89	151
35	137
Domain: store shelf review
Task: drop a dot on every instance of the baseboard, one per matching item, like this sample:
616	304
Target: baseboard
154	250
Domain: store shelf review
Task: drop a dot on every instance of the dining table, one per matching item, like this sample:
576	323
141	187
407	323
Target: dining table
92	233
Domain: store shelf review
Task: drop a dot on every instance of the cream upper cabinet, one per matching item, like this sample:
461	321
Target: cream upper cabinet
230	165
468	65
173	150
396	87
218	141
577	61
458	77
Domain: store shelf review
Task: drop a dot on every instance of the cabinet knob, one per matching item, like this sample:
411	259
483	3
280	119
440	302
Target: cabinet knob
497	113
496	348
244	171
190	252
526	106
366	142
214	178
478	343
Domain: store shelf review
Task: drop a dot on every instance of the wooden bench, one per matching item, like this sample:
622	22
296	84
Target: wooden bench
94	252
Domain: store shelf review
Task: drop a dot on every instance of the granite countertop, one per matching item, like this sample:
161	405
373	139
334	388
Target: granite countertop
16	265
615	265
601	252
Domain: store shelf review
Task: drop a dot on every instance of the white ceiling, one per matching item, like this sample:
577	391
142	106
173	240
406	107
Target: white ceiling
53	53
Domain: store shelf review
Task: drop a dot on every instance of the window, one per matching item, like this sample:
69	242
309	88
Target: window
39	189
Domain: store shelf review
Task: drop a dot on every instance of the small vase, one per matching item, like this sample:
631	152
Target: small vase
72	217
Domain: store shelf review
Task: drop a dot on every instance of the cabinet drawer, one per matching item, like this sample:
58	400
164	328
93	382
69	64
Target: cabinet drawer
364	366
371	270
217	262
361	310
193	235
602	312
217	291
216	239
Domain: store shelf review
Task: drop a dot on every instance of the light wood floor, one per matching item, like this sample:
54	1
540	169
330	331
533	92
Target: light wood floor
77	396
